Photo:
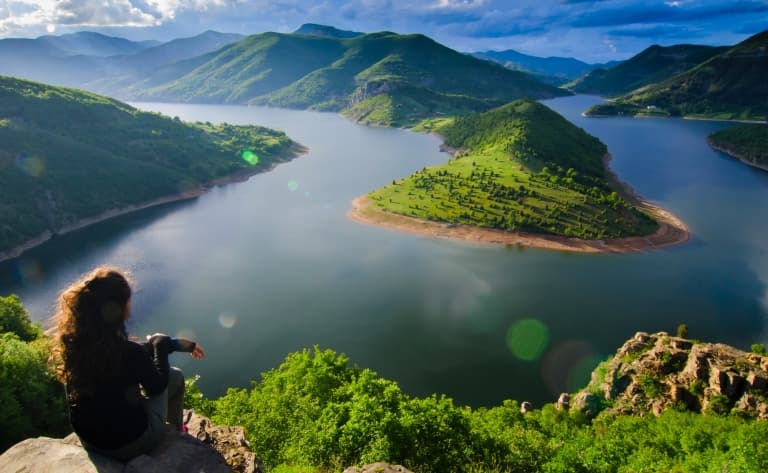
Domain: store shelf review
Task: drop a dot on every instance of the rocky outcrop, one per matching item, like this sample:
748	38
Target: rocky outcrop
655	372
378	468
372	89
204	449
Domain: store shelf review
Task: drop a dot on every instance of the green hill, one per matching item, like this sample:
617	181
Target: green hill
520	167
66	155
731	85
749	143
302	71
655	64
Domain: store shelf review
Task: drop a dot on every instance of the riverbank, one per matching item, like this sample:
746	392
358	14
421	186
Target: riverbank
734	154
672	231
297	151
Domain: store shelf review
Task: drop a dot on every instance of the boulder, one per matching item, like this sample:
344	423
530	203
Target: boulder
378	468
526	407
178	452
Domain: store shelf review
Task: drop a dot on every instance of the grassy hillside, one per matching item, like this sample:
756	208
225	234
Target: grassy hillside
655	64
331	73
521	167
66	155
748	143
731	85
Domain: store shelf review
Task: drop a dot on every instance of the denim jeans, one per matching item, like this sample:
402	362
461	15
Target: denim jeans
166	406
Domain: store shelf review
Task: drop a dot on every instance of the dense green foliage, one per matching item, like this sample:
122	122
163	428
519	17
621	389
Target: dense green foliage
746	142
32	401
317	413
420	76
522	167
15	319
728	86
655	64
66	155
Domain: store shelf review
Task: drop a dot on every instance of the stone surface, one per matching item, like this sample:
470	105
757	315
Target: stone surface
651	373
378	468
177	453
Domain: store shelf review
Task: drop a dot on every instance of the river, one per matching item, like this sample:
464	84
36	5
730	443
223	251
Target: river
258	269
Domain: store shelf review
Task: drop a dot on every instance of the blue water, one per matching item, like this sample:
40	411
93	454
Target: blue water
258	269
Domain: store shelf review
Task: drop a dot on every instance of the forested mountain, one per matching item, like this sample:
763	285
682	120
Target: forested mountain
67	155
97	62
412	75
655	64
553	70
324	30
88	43
730	85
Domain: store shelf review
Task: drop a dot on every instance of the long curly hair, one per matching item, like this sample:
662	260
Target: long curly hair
89	326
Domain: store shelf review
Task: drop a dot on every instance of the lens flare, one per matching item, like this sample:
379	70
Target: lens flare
30	165
250	157
293	185
227	319
28	271
527	339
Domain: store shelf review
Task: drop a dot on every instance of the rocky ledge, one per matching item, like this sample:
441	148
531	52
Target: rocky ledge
205	448
655	372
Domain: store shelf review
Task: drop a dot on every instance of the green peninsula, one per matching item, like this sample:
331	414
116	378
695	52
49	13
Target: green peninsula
68	158
521	168
748	143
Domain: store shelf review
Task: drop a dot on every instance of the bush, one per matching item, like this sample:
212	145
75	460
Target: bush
759	349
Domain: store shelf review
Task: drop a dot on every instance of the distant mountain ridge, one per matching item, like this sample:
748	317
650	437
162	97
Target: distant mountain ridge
654	64
325	30
411	74
61	60
553	69
731	85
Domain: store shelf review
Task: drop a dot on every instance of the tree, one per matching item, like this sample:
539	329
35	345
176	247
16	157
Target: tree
15	319
682	331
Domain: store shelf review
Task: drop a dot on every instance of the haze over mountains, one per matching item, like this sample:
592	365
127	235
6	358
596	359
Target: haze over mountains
552	70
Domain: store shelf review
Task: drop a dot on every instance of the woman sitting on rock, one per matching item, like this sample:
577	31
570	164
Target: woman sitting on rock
120	393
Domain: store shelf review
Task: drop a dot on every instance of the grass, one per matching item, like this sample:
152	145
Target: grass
510	175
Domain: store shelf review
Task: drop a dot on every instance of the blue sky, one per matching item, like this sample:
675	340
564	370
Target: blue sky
591	30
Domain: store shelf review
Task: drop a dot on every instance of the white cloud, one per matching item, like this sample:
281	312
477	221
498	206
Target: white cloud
459	4
18	15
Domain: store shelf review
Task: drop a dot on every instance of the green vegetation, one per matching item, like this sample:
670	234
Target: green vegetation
522	167
415	76
32	401
747	142
315	412
66	155
728	86
682	330
759	349
655	64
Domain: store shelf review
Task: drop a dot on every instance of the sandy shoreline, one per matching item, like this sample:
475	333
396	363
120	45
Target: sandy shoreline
672	230
17	251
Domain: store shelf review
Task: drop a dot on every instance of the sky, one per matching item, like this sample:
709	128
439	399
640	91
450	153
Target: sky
590	30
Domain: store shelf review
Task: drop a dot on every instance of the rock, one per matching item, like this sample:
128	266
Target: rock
378	468
227	440
526	407
651	373
177	453
589	403
563	402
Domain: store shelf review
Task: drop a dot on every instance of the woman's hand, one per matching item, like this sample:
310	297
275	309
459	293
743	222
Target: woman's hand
198	352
